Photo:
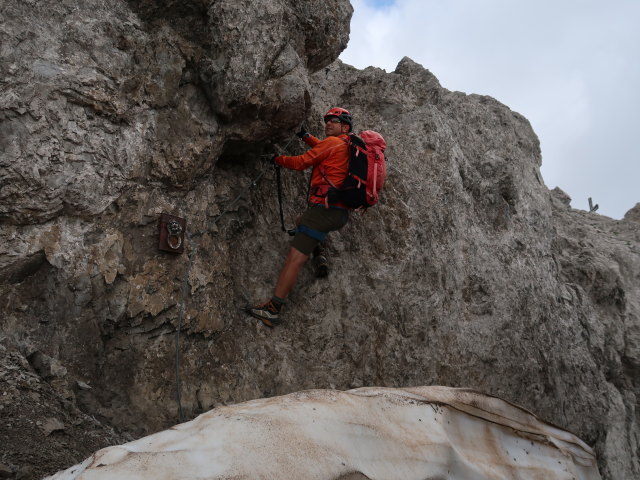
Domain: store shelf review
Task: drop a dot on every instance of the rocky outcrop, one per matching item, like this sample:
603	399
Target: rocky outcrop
384	433
101	98
468	273
483	277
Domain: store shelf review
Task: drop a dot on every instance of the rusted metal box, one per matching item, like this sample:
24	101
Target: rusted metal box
171	229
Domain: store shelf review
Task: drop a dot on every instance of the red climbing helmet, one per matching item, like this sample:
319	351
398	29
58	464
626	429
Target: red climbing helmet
341	113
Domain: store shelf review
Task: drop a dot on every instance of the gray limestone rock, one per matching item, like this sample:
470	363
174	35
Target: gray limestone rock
469	272
633	215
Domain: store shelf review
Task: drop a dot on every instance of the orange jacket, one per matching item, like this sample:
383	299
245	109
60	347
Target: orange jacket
329	157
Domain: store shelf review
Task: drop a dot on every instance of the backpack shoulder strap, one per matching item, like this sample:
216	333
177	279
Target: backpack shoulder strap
357	141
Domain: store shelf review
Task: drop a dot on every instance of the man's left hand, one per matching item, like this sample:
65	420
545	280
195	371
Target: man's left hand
303	132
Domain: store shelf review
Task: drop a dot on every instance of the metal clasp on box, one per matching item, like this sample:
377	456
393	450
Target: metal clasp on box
172	230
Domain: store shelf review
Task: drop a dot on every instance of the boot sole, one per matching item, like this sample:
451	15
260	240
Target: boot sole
269	322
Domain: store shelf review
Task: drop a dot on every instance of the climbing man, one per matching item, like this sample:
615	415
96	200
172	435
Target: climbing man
330	161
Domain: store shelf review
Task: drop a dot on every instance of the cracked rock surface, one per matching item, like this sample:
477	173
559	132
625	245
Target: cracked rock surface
469	273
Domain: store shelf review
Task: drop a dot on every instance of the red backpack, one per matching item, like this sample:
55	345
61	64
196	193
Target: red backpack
366	174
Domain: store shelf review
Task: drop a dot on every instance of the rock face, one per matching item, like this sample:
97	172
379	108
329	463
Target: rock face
423	433
469	273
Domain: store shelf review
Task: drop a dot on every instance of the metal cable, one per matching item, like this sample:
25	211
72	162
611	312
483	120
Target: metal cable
279	187
183	294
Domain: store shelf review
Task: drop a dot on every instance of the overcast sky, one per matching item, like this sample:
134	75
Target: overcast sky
571	67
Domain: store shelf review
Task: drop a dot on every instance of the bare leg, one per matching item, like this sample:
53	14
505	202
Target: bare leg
289	273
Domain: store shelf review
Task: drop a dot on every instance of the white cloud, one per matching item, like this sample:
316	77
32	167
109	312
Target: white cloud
570	67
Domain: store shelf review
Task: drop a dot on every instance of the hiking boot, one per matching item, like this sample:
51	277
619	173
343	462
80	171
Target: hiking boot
320	263
268	313
321	266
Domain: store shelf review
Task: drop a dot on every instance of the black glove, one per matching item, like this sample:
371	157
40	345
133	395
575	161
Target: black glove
273	161
303	132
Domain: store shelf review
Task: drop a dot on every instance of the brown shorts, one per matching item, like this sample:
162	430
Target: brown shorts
315	223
